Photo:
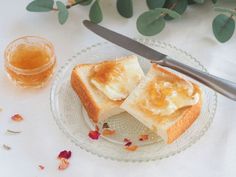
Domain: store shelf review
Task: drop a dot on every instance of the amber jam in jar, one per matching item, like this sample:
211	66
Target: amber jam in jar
30	61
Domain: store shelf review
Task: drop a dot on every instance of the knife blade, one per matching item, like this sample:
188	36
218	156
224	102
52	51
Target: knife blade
225	87
124	41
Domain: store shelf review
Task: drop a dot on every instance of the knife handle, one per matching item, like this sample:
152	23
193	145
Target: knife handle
225	87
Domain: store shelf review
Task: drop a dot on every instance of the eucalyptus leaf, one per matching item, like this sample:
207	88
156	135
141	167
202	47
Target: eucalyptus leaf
40	6
150	23
84	2
95	12
177	5
225	10
125	8
62	12
190	2
223	27
152	4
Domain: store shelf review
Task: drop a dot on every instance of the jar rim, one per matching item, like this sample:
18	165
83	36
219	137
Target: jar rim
37	69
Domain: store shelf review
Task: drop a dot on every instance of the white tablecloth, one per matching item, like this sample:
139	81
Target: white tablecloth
40	141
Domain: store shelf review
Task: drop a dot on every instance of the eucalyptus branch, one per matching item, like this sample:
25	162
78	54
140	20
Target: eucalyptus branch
171	7
68	6
149	23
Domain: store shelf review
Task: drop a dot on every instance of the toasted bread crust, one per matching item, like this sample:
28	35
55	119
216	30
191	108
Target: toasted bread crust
181	125
85	97
189	115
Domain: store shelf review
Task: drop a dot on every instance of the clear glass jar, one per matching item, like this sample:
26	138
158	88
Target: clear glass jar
30	61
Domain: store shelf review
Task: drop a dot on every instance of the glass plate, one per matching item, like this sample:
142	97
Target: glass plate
75	124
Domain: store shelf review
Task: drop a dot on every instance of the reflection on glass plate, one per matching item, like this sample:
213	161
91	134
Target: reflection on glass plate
72	119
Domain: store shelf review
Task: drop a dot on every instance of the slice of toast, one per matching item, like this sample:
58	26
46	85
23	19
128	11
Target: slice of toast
165	103
102	87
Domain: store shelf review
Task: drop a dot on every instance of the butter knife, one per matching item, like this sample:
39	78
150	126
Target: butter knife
222	86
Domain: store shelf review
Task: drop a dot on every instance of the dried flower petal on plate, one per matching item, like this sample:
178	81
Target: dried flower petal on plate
6	147
94	134
64	154
107	132
64	163
126	140
143	137
41	167
17	118
105	125
128	143
131	148
96	128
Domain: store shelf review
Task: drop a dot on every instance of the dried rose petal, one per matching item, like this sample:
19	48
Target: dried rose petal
64	154
105	125
131	148
41	167
17	118
126	140
128	143
107	132
64	163
143	137
94	134
96	128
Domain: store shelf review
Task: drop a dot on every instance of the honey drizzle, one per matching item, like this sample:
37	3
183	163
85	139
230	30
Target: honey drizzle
106	71
157	97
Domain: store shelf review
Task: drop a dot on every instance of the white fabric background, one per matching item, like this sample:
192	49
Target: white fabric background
214	155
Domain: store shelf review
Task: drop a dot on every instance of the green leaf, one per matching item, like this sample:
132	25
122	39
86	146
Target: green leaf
223	27
177	5
225	10
199	1
62	12
40	6
150	23
95	12
84	2
152	4
125	8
